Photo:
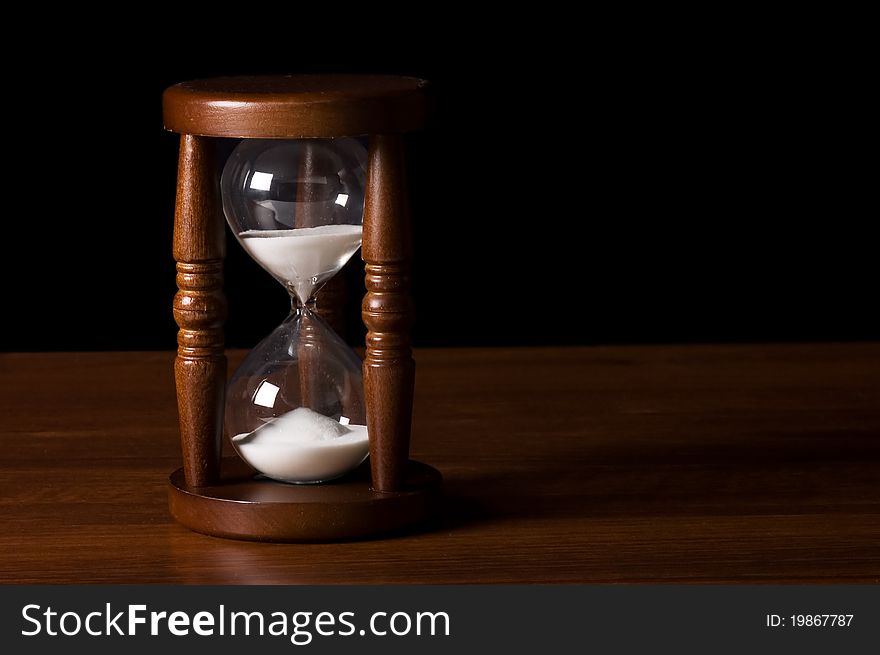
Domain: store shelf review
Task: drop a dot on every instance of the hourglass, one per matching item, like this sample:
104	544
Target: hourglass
295	407
302	193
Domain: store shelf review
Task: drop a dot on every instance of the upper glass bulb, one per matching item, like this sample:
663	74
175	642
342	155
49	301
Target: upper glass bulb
297	206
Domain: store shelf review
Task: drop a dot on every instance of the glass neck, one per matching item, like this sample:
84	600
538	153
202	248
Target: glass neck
297	305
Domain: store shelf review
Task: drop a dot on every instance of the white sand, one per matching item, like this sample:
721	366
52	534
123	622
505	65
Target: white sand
303	446
303	258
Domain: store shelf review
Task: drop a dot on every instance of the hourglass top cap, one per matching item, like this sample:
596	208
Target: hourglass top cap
296	106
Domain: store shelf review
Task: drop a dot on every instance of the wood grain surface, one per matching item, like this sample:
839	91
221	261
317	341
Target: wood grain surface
746	463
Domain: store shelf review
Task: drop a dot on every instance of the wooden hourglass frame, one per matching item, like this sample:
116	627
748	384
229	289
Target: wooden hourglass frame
222	497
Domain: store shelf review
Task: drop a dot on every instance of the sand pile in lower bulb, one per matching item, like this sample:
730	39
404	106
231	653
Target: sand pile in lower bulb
303	446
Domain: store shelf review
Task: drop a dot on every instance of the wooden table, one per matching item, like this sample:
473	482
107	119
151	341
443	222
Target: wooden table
741	463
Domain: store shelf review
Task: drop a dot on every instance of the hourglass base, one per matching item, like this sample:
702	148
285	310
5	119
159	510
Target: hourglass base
241	506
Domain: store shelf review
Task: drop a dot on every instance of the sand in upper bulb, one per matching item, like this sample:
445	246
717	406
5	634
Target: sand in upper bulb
303	258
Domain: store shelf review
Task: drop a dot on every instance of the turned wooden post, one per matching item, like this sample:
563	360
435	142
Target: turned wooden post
330	298
200	310
330	301
389	369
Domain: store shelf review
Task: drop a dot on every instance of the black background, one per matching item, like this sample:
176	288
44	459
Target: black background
585	181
